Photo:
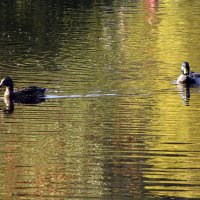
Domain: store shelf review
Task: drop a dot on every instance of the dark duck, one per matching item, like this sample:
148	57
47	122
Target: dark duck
29	95
187	77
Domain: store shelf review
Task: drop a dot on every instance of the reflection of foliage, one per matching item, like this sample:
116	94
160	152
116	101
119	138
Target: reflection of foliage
31	21
52	32
37	16
42	26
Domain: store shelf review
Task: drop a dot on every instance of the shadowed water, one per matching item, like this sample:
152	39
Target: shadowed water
113	124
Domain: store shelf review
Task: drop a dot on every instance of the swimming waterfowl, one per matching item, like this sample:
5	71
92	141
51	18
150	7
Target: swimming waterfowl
188	77
27	95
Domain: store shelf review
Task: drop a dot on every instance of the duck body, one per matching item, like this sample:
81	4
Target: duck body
29	95
195	77
185	79
188	77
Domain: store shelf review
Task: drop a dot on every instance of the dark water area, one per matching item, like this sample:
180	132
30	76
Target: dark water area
113	125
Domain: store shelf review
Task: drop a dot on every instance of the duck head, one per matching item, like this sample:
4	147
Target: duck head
185	68
7	82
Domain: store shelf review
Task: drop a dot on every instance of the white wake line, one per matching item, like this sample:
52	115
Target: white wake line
77	96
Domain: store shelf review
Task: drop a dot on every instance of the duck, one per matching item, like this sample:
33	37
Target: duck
29	95
187	77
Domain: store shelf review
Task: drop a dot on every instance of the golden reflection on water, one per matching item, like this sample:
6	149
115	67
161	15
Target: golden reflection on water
175	142
47	159
142	142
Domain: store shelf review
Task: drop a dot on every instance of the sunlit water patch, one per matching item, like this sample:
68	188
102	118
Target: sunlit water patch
113	125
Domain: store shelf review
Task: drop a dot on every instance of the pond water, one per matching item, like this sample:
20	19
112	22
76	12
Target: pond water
113	125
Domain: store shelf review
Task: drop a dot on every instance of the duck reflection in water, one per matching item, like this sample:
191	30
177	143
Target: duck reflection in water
185	93
9	106
29	95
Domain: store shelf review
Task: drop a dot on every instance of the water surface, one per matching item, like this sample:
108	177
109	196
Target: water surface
113	126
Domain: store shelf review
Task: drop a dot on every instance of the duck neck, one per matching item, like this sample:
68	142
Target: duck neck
9	92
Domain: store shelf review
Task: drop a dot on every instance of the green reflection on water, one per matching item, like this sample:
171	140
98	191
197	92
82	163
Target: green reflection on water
140	143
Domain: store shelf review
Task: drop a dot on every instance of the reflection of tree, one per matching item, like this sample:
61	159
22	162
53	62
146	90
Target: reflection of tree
151	8
41	21
99	48
34	26
124	140
40	30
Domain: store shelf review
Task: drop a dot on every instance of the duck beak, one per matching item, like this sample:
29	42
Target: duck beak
185	71
1	84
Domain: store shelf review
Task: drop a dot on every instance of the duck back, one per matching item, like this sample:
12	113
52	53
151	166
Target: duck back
30	95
